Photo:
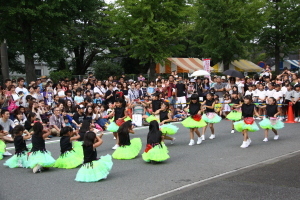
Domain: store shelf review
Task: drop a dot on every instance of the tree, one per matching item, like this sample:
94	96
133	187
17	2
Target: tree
227	27
280	35
34	28
105	68
148	30
87	37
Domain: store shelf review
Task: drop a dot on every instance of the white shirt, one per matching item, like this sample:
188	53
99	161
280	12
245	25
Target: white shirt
283	89
252	93
240	86
97	90
260	94
270	93
278	94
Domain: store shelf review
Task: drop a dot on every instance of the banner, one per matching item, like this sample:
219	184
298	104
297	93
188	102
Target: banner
206	63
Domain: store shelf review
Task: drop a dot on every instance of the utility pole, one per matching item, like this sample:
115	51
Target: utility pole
4	61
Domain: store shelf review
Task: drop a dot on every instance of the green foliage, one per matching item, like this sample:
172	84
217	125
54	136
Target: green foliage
227	27
55	76
282	28
148	30
105	68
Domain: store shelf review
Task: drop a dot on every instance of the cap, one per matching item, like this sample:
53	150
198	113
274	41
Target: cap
192	81
223	77
43	77
81	107
90	72
130	80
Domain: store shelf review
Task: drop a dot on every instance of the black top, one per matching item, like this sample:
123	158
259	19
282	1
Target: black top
89	154
194	108
209	103
180	89
65	144
236	101
247	110
154	135
38	143
119	113
27	125
81	136
163	115
199	89
156	105
78	118
125	92
20	144
124	138
111	99
271	110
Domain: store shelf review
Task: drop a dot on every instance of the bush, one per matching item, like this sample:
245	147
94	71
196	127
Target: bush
105	68
55	76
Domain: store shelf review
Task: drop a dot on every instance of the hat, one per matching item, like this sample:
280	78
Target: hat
43	77
91	73
130	80
223	77
81	107
192	81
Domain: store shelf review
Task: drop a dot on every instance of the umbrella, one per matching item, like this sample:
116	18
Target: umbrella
233	73
200	73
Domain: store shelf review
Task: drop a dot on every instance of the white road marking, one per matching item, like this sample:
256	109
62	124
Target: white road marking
220	175
105	133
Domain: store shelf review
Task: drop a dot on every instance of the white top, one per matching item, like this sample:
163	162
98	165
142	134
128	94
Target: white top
278	95
261	94
270	93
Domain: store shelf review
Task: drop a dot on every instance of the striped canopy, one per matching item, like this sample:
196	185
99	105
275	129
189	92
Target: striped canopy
181	65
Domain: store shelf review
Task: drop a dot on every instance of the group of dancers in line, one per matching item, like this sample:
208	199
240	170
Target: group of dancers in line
77	150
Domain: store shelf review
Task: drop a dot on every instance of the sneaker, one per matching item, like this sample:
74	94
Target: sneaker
172	141
7	153
192	142
212	136
203	137
265	140
296	119
245	144
115	147
115	138
249	141
199	141
276	137
232	131
36	169
257	118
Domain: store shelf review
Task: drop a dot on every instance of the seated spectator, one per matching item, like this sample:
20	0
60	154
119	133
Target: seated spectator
79	116
7	125
179	114
56	122
19	120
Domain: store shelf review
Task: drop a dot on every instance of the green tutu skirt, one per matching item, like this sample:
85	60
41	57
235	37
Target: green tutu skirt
18	160
77	146
191	123
151	118
127	119
158	153
95	170
271	124
42	158
129	151
113	127
211	118
68	160
169	129
241	125
234	115
2	149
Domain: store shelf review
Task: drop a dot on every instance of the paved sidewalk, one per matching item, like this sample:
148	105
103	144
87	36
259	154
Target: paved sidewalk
276	180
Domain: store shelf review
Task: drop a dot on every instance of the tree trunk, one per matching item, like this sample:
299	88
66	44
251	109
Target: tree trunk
226	65
30	68
277	59
152	70
4	61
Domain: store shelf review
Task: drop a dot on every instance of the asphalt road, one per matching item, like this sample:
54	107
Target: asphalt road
188	167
